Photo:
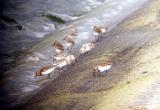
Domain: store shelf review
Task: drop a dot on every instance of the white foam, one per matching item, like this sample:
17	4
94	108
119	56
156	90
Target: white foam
80	28
83	35
94	2
35	57
114	13
130	1
49	27
113	3
41	56
106	15
124	3
119	7
29	88
32	58
87	8
38	34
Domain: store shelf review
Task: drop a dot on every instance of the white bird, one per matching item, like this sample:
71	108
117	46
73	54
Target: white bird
58	47
70	39
102	68
46	70
69	44
98	30
62	63
73	31
87	47
59	64
71	59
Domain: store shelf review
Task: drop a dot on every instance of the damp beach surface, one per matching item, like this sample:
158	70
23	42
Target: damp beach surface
132	42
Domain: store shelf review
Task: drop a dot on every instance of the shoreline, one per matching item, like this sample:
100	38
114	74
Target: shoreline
43	46
132	62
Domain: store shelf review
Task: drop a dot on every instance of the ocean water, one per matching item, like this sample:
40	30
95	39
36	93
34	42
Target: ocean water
34	26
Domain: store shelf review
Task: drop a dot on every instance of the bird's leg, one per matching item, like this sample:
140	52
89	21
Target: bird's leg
86	53
59	71
49	75
99	73
35	76
54	59
94	72
72	64
96	38
76	60
80	55
68	49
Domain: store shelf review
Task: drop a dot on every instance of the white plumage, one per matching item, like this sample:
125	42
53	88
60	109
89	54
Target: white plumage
48	71
86	47
65	61
102	69
103	30
58	50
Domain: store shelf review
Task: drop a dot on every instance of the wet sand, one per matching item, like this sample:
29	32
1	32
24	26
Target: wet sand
18	84
133	46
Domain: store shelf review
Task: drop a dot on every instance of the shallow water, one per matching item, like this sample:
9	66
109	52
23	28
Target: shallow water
29	15
19	82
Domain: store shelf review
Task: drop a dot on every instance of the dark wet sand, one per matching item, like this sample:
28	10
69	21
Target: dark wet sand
77	89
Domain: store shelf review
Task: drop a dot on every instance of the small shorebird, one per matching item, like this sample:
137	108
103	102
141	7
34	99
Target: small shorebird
69	43
68	57
70	38
98	30
73	31
102	68
46	70
58	47
59	64
71	34
86	48
62	63
71	59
